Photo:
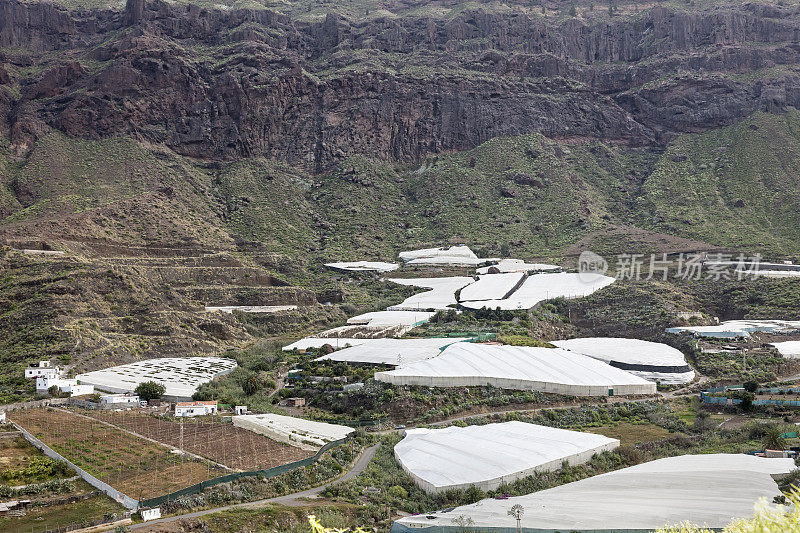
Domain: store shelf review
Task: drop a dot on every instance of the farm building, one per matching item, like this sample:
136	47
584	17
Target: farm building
195	408
40	369
441	296
306	434
788	349
732	329
699	489
493	287
71	386
363	266
552	370
652	361
393	351
505	266
180	376
540	287
491	455
121	400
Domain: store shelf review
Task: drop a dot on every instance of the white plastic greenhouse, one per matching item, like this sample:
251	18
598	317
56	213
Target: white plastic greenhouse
306	434
541	287
709	490
739	328
788	349
490	455
441	296
653	361
552	370
180	375
363	266
393	351
492	287
518	265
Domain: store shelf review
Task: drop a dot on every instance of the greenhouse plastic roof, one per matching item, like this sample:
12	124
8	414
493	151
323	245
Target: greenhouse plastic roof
492	287
454	251
364	266
709	490
739	328
552	370
319	342
180	375
393	351
790	349
518	265
540	287
488	455
251	308
392	318
653	361
297	431
441	296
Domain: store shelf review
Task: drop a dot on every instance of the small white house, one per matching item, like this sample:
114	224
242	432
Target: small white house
71	386
44	368
195	408
240	410
117	399
150	514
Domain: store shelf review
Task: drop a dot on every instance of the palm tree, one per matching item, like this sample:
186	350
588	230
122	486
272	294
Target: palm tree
773	439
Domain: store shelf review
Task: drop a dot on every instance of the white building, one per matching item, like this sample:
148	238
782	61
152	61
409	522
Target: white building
150	514
186	409
119	399
44	368
71	386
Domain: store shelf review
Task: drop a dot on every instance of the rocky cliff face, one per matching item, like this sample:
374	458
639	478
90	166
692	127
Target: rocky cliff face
226	84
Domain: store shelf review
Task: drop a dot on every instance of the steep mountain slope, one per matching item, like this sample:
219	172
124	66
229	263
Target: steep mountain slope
232	83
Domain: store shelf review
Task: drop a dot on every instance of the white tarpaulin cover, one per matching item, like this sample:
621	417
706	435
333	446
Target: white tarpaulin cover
518	265
364	266
653	361
492	287
454	251
393	351
392	318
709	490
180	375
552	370
540	287
319	342
789	349
488	456
441	296
739	328
306	434
251	308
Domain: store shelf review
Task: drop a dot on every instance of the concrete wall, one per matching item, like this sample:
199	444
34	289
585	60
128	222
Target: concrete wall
113	493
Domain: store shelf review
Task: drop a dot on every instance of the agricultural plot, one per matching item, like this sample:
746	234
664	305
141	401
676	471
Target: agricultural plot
132	465
234	447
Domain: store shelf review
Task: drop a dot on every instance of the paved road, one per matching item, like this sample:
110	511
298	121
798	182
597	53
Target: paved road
293	500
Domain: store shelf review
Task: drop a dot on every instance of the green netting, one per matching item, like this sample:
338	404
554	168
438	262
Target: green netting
271	472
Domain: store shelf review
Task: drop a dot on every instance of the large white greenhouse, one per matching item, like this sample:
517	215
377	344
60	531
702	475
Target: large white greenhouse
490	455
492	287
552	370
732	329
393	351
306	434
653	361
442	293
709	490
541	287
180	375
